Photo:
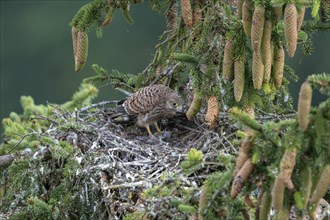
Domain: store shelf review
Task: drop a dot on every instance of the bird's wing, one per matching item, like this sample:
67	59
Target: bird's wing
141	103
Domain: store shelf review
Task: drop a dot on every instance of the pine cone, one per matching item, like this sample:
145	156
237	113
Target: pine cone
194	107
250	4
211	115
247	19
290	28
228	61
197	15
300	18
306	184
278	193
81	50
287	165
278	66
257	70
266	50
171	17
322	185
265	205
239	79
109	15
244	153
278	13
304	105
257	29
206	195
186	13
74	32
241	177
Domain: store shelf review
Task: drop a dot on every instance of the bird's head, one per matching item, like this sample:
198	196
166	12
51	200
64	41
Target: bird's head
174	102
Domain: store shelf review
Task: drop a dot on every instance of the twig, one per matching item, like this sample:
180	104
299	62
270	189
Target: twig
123	91
98	104
45	118
169	71
125	185
18	143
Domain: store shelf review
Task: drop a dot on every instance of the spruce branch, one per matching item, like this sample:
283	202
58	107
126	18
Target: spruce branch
269	130
88	15
155	5
325	11
185	58
124	81
321	82
82	97
312	25
291	73
307	47
245	119
125	9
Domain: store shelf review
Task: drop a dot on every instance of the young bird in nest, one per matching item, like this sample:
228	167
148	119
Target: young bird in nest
151	104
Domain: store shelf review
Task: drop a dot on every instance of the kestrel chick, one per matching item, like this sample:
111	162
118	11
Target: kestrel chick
151	104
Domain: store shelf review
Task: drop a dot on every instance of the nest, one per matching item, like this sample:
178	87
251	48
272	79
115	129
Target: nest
119	162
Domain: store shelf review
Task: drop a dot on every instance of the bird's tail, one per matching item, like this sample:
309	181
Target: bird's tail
120	116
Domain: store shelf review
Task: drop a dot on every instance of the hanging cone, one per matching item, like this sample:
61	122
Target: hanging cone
278	13
304	105
278	66
186	13
211	116
247	19
171	17
300	18
239	79
228	61
266	50
290	28
257	29
257	70
81	50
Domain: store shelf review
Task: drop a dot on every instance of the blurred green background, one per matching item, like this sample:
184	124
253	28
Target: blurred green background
37	55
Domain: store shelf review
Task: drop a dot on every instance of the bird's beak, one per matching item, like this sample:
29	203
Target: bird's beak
179	108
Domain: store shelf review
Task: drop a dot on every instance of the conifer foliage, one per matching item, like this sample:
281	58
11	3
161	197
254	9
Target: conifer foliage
239	151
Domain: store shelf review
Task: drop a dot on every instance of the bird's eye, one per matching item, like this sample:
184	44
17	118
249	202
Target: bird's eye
174	104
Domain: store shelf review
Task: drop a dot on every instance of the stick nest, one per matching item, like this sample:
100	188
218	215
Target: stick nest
119	169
